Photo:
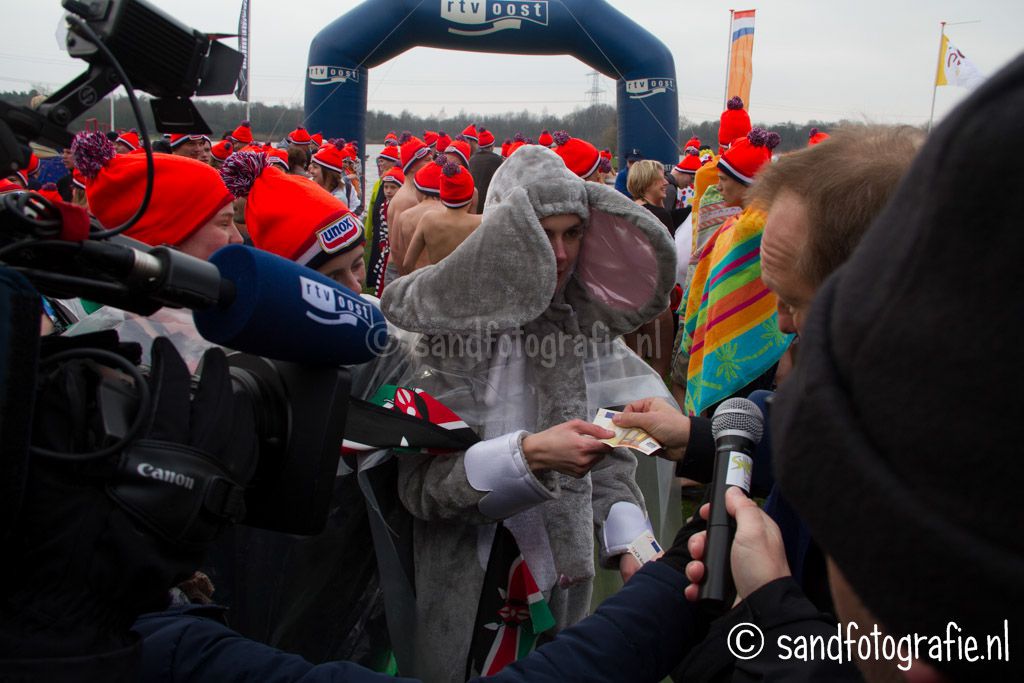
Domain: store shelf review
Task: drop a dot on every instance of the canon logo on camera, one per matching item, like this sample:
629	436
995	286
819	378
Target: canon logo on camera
169	476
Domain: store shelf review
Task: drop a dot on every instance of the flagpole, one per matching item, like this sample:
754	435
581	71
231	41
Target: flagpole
935	79
728	60
248	60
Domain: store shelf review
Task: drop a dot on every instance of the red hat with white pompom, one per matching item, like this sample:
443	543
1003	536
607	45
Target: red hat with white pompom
428	179
747	155
188	193
460	148
49	191
690	162
391	153
287	214
300	136
412	149
394	176
456	186
580	157
277	156
130	138
443	140
330	157
222	150
816	137
242	135
734	122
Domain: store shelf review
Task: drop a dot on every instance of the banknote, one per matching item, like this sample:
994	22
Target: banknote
629	438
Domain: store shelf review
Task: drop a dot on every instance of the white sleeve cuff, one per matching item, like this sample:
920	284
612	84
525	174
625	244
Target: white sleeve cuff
498	467
625	522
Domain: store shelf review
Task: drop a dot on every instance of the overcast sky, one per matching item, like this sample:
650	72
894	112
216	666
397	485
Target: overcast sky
824	59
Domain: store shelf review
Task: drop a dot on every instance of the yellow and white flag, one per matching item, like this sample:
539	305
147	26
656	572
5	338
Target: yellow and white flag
955	68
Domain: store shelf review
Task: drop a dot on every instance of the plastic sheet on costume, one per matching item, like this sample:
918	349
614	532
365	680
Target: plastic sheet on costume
174	323
487	387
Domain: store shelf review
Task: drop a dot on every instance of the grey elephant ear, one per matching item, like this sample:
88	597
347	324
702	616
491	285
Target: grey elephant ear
626	266
502	276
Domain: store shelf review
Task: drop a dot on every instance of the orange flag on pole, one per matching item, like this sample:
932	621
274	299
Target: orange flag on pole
741	51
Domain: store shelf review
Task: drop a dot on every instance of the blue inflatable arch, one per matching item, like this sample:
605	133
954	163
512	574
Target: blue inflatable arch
590	30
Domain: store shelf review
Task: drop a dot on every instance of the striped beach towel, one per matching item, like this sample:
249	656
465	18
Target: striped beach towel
731	327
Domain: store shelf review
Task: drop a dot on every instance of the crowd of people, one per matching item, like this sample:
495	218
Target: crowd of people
827	284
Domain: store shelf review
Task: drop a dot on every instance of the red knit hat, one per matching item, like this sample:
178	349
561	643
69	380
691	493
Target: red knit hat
277	156
545	139
470	133
393	175
428	179
694	143
221	151
605	165
391	153
330	157
747	155
412	149
816	137
7	186
690	162
443	139
299	136
504	147
486	138
178	139
734	122
49	191
456	186
242	135
391	136
316	139
430	138
580	157
187	193
287	214
460	148
130	138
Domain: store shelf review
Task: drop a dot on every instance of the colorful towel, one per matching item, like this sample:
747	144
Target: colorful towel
731	327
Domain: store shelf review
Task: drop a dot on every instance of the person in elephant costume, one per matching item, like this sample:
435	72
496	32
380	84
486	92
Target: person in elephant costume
517	331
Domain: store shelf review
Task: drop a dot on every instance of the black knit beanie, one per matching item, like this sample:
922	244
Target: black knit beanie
900	437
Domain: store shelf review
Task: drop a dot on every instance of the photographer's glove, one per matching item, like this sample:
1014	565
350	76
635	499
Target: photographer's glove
101	541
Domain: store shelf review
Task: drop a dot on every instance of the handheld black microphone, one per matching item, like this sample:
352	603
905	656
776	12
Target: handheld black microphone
737	426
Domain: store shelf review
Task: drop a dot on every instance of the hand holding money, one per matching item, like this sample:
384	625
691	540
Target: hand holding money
662	421
628	437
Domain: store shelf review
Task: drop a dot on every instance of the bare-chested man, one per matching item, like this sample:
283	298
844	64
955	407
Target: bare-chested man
459	152
440	232
427	186
415	155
